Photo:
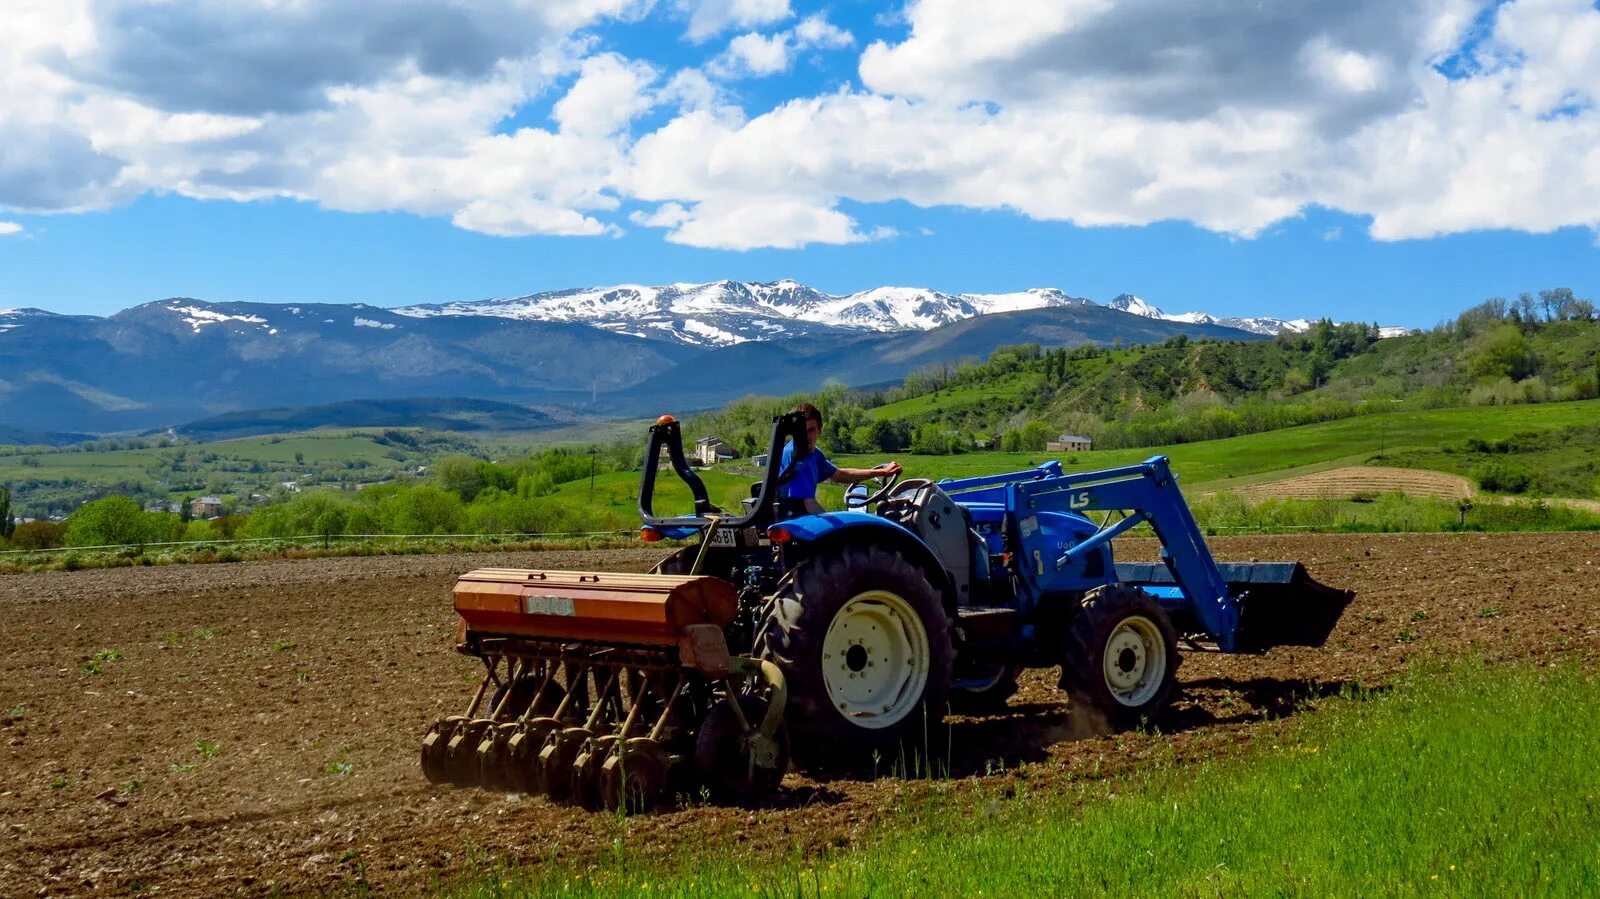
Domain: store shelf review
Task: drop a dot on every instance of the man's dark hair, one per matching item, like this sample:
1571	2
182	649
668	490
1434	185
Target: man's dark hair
812	413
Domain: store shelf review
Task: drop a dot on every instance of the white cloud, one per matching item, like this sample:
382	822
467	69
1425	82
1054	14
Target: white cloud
708	18
522	217
746	223
608	94
754	54
758	55
10	228
667	215
1233	118
1234	115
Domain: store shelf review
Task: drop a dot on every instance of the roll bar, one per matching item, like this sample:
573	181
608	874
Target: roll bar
667	432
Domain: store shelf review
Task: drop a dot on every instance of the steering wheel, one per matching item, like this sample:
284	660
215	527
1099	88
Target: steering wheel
883	491
896	486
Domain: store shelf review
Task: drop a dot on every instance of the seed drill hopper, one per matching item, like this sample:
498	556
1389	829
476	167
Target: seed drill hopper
770	638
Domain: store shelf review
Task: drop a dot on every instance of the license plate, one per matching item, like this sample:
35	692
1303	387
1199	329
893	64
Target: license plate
724	537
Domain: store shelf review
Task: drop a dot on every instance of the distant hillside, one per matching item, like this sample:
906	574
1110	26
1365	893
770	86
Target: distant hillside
807	363
1183	390
10	436
1180	390
451	414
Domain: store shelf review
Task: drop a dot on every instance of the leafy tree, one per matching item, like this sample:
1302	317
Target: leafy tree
1035	434
421	510
8	522
460	475
114	520
1501	352
329	524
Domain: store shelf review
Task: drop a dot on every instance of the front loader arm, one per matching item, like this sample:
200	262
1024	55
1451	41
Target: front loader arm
1148	490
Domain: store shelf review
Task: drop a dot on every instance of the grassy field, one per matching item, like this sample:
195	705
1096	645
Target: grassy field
1459	781
1416	437
133	464
957	399
1210	465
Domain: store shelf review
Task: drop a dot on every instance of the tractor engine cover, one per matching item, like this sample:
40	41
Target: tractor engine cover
629	609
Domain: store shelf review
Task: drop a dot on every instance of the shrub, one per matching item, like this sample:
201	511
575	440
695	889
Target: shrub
1502	477
38	535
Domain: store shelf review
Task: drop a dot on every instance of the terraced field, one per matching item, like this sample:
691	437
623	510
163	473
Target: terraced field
1362	480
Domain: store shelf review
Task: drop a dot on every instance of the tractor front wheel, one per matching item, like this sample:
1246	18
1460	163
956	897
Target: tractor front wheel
1121	656
864	644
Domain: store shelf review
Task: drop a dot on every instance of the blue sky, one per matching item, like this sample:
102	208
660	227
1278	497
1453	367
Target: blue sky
1388	161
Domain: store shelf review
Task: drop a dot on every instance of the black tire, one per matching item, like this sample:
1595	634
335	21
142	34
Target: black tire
721	761
679	562
989	700
522	690
1145	636
803	611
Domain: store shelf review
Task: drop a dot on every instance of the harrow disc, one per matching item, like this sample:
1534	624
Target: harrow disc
461	753
522	753
436	750
493	754
586	771
554	772
634	776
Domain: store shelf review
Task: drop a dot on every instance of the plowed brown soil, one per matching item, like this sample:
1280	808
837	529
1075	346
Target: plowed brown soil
1343	483
314	681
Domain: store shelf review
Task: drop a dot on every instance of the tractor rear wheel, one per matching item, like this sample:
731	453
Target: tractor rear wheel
1121	656
864	644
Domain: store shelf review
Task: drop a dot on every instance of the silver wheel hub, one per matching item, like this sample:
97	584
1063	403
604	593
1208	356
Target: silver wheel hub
1135	660
875	659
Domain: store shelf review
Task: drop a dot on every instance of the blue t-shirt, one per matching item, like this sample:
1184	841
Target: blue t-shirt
812	469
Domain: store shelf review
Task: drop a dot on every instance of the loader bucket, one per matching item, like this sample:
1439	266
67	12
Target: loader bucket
1280	604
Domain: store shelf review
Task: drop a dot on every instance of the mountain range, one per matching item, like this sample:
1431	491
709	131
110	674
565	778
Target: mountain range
723	313
571	354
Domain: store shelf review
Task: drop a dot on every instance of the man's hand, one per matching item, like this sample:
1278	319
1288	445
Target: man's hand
857	475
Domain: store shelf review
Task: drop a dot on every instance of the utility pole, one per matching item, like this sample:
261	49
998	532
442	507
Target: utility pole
592	451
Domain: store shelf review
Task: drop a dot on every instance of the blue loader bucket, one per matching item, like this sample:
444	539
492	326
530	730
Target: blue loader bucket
1280	604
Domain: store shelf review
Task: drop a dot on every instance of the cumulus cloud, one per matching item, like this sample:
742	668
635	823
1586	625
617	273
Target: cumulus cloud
609	92
249	57
1429	116
9	228
391	108
757	55
708	18
745	223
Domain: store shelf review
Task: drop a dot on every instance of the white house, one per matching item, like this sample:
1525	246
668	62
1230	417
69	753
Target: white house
711	450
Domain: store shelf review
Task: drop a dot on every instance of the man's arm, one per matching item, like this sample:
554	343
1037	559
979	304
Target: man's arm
857	475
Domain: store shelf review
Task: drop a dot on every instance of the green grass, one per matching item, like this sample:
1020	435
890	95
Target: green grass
1204	466
957	399
1211	464
1463	780
110	466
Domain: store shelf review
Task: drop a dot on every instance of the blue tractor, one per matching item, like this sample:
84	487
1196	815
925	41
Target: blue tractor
827	638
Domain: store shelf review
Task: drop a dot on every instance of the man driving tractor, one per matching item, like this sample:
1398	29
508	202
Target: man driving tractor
812	468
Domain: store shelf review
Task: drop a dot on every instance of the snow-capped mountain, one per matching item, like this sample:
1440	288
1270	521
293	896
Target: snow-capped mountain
723	313
1265	325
